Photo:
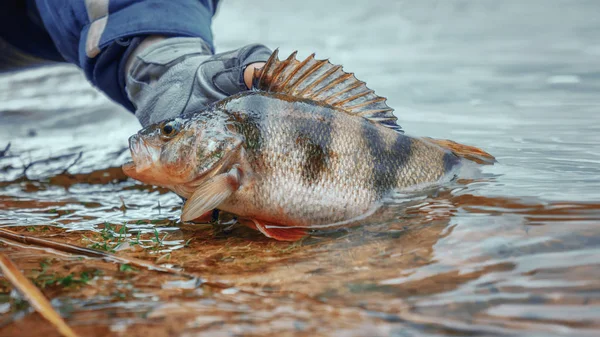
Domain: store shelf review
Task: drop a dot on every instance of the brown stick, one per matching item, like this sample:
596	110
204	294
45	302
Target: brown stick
34	296
65	247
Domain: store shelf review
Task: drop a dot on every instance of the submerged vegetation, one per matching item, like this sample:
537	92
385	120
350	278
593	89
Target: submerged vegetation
47	277
112	238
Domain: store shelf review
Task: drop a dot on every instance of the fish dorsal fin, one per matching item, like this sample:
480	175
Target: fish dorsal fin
323	82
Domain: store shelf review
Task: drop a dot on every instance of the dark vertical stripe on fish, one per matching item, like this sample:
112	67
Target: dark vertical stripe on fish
250	129
450	160
313	138
249	123
387	162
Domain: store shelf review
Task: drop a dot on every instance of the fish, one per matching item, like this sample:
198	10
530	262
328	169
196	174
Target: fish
308	147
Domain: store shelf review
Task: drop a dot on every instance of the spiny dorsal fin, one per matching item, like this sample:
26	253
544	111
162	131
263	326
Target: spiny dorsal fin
321	81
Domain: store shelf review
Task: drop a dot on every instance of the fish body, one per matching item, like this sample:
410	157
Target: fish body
314	165
312	147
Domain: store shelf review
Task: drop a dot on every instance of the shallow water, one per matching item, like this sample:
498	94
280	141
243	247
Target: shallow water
511	250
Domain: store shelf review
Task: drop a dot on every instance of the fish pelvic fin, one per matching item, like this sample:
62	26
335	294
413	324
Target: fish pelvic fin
275	231
323	82
210	194
471	153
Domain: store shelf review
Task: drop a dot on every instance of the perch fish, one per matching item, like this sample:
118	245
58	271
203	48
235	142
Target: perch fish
310	146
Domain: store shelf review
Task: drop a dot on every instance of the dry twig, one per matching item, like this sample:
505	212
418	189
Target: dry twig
34	296
65	247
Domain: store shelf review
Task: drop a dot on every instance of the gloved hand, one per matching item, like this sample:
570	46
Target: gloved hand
171	76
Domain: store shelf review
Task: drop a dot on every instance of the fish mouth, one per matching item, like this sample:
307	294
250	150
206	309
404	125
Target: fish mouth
142	154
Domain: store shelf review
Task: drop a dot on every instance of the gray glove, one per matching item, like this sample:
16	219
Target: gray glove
178	75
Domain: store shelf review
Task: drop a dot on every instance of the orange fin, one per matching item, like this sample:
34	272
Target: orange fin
323	82
276	231
465	151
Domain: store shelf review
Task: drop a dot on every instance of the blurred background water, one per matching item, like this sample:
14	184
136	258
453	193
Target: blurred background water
512	250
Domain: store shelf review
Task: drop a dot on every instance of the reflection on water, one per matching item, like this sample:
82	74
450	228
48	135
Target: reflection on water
512	249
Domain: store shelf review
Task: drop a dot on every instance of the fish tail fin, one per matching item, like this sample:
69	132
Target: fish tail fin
471	153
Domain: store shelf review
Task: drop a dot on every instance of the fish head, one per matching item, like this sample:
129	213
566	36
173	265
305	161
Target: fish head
180	151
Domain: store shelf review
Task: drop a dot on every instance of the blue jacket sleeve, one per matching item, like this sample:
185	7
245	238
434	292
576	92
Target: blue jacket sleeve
99	35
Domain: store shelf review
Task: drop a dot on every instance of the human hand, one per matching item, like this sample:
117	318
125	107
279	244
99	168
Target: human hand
169	76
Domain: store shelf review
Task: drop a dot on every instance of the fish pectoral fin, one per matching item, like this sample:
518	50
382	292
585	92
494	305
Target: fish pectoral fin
279	232
210	194
204	218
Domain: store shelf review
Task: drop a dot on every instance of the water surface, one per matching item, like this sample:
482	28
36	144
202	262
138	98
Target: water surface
512	249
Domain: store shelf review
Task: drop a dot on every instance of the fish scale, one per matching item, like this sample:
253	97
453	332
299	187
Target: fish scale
358	157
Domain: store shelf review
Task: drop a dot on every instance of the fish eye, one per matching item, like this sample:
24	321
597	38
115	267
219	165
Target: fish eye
169	129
